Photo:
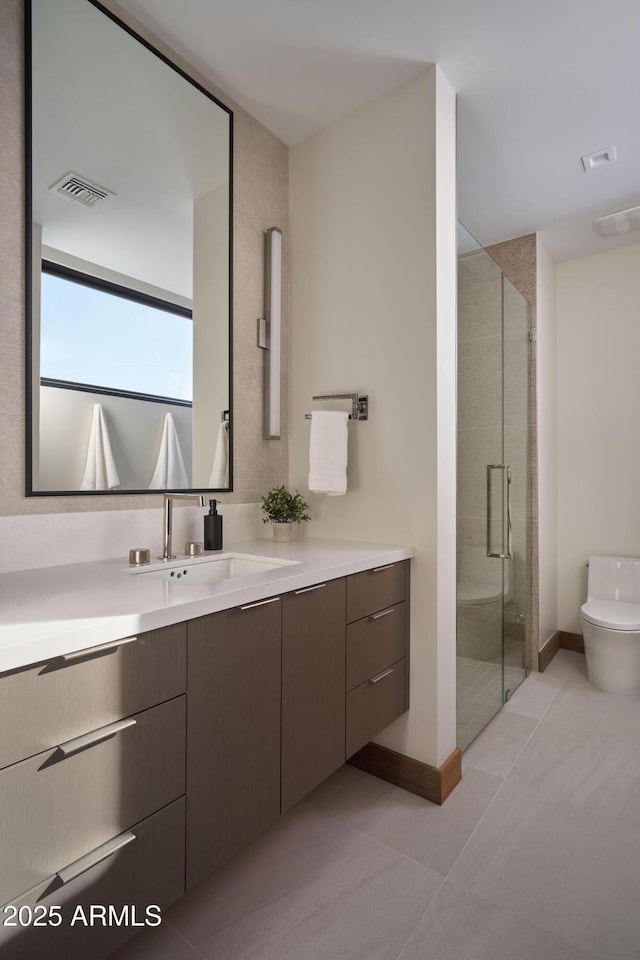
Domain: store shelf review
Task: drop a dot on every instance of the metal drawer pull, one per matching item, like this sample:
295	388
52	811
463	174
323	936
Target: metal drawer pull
70	747
97	651
383	613
318	586
380	676
96	856
260	603
389	566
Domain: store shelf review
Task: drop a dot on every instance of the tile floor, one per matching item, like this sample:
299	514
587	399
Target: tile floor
479	694
534	856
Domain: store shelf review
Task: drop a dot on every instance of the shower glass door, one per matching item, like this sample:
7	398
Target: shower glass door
494	489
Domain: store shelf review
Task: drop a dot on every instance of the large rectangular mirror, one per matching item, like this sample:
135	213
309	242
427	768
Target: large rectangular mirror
128	263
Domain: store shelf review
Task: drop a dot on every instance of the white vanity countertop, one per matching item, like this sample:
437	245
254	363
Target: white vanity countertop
52	611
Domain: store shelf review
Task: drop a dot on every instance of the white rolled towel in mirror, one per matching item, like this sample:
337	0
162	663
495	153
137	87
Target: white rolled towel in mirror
220	469
100	471
328	452
170	472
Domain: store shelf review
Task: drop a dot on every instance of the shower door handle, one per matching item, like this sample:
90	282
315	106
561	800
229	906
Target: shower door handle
507	472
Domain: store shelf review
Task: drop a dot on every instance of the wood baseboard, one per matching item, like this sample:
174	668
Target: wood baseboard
560	640
432	783
548	651
571	641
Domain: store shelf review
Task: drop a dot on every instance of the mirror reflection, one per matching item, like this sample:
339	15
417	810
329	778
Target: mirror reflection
129	386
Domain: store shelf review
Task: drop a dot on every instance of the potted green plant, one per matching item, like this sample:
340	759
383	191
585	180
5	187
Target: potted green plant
283	508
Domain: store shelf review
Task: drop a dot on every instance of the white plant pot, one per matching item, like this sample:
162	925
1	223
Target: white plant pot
282	532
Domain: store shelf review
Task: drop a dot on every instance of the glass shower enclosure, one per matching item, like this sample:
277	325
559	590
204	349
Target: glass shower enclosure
494	488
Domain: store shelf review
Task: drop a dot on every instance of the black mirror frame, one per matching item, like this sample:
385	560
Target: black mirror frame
28	298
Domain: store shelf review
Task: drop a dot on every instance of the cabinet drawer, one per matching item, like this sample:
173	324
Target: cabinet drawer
44	705
373	705
147	870
313	665
57	806
375	642
233	729
375	589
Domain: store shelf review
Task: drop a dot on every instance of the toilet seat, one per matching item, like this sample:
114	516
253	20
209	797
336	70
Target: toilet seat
612	614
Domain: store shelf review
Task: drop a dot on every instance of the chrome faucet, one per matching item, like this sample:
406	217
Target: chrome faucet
196	498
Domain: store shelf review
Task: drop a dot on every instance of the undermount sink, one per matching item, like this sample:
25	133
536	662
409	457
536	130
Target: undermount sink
195	570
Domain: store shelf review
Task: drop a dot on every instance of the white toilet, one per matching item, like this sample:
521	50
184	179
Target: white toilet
610	622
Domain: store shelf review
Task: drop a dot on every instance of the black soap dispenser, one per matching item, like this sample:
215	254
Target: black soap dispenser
213	527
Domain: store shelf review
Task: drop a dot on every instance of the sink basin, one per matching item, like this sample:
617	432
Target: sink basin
196	570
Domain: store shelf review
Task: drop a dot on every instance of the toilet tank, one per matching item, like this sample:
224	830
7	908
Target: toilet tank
614	578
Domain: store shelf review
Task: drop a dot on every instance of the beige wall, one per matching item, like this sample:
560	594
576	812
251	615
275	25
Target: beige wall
260	201
547	445
598	346
372	205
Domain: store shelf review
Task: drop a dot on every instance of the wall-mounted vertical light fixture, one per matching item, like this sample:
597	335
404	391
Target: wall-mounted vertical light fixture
270	332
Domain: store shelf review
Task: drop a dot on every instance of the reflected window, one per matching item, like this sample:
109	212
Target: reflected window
98	334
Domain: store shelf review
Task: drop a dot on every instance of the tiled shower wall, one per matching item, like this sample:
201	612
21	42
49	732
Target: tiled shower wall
480	291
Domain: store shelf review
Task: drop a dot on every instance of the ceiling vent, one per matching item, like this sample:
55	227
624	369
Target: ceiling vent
84	191
620	222
600	159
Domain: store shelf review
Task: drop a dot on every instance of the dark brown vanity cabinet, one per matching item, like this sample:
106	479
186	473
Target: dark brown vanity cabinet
265	718
313	706
94	747
48	703
140	875
92	783
377	675
233	731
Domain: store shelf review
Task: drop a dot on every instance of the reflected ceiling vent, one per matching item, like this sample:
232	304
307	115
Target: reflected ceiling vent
621	222
84	191
600	159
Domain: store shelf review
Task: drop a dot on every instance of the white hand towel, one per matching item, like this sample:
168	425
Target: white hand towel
170	473
100	471
328	452
220	469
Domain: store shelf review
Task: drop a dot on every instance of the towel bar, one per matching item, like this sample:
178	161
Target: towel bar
359	404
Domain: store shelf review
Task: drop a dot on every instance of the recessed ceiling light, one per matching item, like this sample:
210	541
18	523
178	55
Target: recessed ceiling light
620	222
600	159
